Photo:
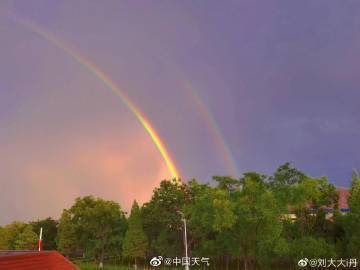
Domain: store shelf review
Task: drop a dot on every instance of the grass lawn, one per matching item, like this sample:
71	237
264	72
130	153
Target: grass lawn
106	267
88	266
109	267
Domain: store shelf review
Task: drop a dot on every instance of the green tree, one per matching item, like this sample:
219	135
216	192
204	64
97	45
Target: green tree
307	198
311	247
94	226
238	219
4	239
311	197
162	219
353	218
226	182
49	226
135	241
258	229
282	183
210	216
66	239
286	175
27	239
19	236
11	233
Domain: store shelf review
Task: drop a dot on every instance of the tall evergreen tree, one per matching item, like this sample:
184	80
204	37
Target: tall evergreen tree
135	242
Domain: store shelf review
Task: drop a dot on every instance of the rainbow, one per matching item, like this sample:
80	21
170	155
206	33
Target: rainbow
216	134
107	81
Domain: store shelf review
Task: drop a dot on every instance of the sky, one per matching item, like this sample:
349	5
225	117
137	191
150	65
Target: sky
228	87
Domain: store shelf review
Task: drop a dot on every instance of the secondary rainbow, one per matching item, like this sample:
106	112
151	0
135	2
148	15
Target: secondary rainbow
216	134
103	77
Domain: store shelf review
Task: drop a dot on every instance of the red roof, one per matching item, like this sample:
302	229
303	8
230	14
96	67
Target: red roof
51	260
344	194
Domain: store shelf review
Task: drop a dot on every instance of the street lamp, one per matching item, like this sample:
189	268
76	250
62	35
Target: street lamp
185	241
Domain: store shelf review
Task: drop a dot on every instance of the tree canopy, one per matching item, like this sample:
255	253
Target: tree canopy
256	221
92	226
135	242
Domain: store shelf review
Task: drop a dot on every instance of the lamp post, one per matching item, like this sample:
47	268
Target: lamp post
186	245
185	240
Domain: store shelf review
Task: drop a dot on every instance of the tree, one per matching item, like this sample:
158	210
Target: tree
19	236
27	239
66	239
94	226
258	228
286	175
162	220
226	182
282	183
234	221
210	216
307	198
310	198
240	218
352	228
49	226
135	241
311	247
11	233
3	239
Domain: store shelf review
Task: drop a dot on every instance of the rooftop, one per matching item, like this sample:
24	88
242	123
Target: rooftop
31	260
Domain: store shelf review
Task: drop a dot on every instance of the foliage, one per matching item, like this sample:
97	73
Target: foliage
66	239
352	220
3	239
27	239
162	219
310	247
258	228
256	221
18	236
92	226
135	242
49	226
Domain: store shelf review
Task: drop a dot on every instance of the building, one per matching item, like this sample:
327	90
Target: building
344	194
343	205
33	260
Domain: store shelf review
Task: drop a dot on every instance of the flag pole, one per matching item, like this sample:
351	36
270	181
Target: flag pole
40	239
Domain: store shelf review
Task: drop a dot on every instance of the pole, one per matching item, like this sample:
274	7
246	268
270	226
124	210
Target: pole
185	240
186	245
40	239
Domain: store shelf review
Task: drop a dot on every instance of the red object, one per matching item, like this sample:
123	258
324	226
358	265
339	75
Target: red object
344	194
47	260
40	245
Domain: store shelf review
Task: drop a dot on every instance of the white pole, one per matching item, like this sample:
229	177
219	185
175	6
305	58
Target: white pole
40	239
186	245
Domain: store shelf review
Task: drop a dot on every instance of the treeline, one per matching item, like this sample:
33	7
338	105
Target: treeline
24	236
254	222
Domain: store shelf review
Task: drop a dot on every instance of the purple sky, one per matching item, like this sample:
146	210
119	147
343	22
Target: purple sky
279	77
